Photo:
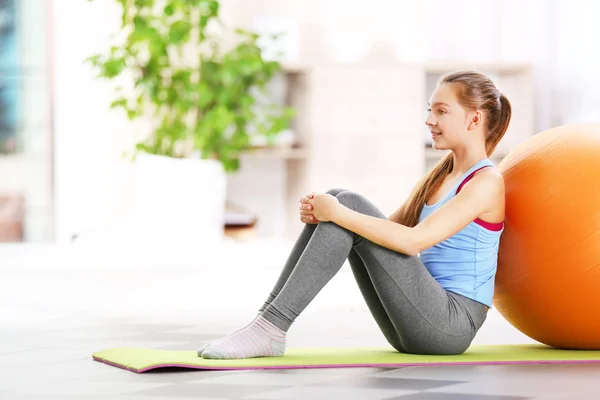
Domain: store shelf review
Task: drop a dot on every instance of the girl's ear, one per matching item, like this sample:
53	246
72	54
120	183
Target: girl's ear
475	120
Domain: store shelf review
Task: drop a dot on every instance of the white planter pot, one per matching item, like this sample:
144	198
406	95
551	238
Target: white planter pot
179	202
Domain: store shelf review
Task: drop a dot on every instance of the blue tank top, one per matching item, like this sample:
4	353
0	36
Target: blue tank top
466	262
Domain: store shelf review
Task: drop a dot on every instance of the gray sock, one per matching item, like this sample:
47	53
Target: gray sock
259	339
205	345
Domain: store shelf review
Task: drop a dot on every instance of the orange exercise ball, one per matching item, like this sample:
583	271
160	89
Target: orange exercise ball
548	279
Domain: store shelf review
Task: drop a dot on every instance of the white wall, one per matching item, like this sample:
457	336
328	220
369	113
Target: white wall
82	124
575	62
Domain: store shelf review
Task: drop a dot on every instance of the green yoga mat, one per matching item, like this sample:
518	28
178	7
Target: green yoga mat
142	360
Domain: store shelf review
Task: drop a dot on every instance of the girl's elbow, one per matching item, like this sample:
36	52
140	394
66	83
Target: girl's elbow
408	249
413	252
409	244
414	248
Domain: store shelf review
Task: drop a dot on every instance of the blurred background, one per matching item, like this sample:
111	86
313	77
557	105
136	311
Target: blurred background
183	243
357	74
86	233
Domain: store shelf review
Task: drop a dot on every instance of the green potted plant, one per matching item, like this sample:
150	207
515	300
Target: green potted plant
204	102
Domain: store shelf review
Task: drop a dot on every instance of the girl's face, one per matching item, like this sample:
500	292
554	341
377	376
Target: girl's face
447	120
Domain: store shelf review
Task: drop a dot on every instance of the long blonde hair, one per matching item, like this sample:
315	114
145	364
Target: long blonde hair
475	91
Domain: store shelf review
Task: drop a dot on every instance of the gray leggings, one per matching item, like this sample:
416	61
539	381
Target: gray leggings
414	312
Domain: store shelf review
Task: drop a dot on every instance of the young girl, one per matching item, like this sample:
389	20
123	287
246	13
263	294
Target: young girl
426	273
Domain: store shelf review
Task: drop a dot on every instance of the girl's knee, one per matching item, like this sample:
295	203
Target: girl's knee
359	203
335	191
349	199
